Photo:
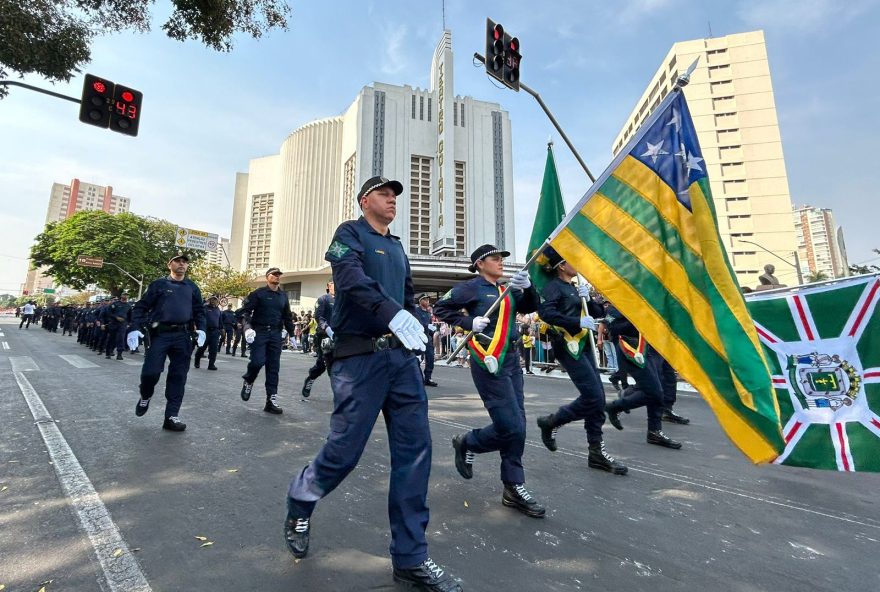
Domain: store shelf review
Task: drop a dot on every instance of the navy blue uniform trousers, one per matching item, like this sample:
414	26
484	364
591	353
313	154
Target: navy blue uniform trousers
590	404
116	334
265	351
177	347
502	397
653	383
389	382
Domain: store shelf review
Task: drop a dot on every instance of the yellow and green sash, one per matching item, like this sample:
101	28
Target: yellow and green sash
633	353
574	344
491	357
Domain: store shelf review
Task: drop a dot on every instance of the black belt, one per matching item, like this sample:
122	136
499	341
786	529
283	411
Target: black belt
171	327
267	327
356	345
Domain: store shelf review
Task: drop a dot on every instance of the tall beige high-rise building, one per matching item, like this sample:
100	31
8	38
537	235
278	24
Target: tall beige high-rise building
730	97
64	202
819	243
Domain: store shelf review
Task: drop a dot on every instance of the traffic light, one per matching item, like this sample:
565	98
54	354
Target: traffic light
125	110
502	55
94	107
512	59
494	50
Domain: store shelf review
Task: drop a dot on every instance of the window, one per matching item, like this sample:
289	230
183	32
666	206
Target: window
462	114
294	292
429	108
460	210
422	108
413	106
420	205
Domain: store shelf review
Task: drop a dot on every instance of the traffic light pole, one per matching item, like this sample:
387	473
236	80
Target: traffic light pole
39	90
140	282
555	123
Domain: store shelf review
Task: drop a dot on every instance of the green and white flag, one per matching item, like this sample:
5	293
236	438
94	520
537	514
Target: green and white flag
822	344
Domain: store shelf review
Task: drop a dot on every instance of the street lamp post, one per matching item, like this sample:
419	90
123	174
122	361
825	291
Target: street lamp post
796	263
139	282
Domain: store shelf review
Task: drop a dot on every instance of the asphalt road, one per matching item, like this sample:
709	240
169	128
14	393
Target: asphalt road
702	518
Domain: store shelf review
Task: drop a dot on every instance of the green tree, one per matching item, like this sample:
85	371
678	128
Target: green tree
140	246
221	280
819	276
856	269
53	38
6	300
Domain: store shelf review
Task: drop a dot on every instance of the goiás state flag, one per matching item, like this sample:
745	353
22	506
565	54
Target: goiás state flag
645	235
823	346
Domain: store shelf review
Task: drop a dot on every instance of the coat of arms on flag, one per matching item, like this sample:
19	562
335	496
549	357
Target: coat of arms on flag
823	347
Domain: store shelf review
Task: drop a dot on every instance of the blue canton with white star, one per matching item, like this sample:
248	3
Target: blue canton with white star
670	149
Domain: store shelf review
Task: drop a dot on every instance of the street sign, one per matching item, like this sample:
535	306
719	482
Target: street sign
86	261
48	290
187	238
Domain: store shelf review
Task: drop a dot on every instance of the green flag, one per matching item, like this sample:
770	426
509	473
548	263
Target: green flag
551	211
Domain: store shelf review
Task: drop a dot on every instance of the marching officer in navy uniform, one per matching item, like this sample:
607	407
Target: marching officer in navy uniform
212	329
423	313
170	310
267	320
227	322
495	369
323	315
652	374
375	370
115	319
562	308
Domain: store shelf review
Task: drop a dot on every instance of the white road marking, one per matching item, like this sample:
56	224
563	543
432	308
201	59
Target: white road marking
122	572
5	345
23	364
133	362
78	361
705	484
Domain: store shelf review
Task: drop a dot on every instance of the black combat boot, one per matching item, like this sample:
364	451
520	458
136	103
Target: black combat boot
599	459
272	405
613	410
307	387
427	576
660	439
464	460
296	531
118	355
548	428
673	417
246	389
516	496
173	424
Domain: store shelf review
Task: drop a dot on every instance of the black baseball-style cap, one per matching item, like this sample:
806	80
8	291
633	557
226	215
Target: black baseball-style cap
181	255
374	183
273	270
554	259
484	251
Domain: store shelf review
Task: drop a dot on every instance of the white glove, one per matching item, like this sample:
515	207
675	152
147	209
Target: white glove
131	339
479	323
520	280
584	291
200	337
409	330
249	335
588	322
283	333
329	332
432	327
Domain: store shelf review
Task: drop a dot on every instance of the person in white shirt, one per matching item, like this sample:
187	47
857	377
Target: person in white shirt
27	314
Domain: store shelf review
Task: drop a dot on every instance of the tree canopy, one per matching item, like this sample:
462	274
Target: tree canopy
140	246
52	38
214	279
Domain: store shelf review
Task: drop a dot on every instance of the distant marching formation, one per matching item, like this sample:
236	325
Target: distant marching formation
370	332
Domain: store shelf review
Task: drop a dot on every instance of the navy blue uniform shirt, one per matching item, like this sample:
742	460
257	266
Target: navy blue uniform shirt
267	307
172	302
227	318
618	324
476	296
424	317
372	277
561	306
324	312
212	317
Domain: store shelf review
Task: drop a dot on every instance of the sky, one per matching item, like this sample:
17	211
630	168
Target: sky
206	114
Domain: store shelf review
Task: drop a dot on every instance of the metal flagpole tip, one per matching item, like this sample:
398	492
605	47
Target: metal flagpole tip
684	79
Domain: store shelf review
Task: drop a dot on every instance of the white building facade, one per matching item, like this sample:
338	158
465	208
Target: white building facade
821	251
452	154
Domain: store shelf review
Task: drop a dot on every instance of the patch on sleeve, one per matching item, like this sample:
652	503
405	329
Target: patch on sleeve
446	296
338	249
